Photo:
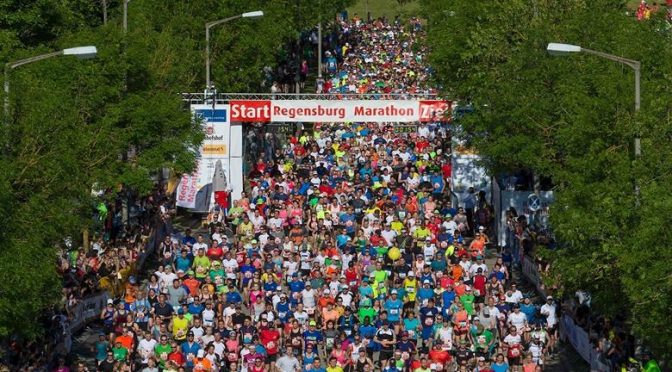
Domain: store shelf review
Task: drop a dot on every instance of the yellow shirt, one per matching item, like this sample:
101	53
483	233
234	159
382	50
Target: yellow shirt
397	226
411	287
180	328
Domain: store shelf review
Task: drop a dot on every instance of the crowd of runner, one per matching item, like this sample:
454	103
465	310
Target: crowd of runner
344	255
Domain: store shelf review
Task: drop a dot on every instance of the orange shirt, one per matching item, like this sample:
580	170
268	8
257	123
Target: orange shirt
324	301
459	289
457	272
193	285
330	315
126	341
131	292
202	365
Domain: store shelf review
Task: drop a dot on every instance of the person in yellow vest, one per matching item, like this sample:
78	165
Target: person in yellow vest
179	325
411	288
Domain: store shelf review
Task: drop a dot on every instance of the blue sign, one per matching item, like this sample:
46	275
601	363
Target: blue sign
216	115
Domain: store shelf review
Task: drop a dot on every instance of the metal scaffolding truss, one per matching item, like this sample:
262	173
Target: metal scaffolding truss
223	98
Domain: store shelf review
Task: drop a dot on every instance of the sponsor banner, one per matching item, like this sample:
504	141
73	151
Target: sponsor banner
319	111
215	122
186	191
195	190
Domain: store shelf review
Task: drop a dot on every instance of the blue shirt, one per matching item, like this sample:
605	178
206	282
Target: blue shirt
190	349
312	336
234	297
296	286
393	309
500	367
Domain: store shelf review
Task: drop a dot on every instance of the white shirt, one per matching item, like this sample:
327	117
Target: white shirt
198	246
389	236
146	348
429	251
549	311
308	298
514	297
517	320
512	340
474	269
450	226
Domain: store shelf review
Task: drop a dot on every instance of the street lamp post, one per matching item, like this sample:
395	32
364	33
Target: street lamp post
563	49
83	52
212	24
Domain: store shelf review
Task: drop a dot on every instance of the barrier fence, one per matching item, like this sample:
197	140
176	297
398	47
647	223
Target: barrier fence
569	330
531	273
91	307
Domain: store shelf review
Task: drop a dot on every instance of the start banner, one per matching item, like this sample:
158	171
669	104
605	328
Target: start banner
321	111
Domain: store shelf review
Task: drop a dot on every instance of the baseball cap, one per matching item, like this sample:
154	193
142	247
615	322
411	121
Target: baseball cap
110	301
549	297
426	281
200	353
410	273
312	323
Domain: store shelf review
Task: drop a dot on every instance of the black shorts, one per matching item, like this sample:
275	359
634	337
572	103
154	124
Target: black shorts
386	354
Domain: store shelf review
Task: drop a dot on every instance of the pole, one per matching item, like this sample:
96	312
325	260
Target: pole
207	58
125	21
319	49
208	26
6	103
104	12
638	145
297	78
12	65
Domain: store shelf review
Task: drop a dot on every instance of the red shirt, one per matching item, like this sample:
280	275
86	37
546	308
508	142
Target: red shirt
269	338
479	284
177	358
439	356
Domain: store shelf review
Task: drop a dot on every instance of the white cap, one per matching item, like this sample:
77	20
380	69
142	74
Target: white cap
326	291
200	353
410	273
110	301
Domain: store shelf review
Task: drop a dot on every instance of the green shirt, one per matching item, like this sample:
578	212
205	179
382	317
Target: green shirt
162	351
380	276
468	301
483	340
120	353
203	262
367	311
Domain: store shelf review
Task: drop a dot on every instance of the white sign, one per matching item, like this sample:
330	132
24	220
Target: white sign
318	111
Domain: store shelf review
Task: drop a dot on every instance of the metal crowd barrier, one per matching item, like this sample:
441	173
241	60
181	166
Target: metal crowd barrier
91	307
531	273
580	341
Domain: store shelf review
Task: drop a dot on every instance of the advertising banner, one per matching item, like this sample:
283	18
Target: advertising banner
319	111
223	143
186	191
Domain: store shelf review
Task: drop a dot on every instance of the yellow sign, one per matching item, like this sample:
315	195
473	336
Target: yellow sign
214	150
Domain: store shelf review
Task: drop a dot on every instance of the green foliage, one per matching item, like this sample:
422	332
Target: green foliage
112	120
572	118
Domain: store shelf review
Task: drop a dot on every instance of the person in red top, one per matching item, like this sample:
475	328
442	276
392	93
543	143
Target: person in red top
215	252
439	355
176	356
479	281
422	144
191	283
270	339
377	240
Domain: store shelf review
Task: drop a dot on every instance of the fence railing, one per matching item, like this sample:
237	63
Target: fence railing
531	273
91	307
569	330
223	98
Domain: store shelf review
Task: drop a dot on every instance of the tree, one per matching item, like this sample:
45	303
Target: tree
572	119
110	121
